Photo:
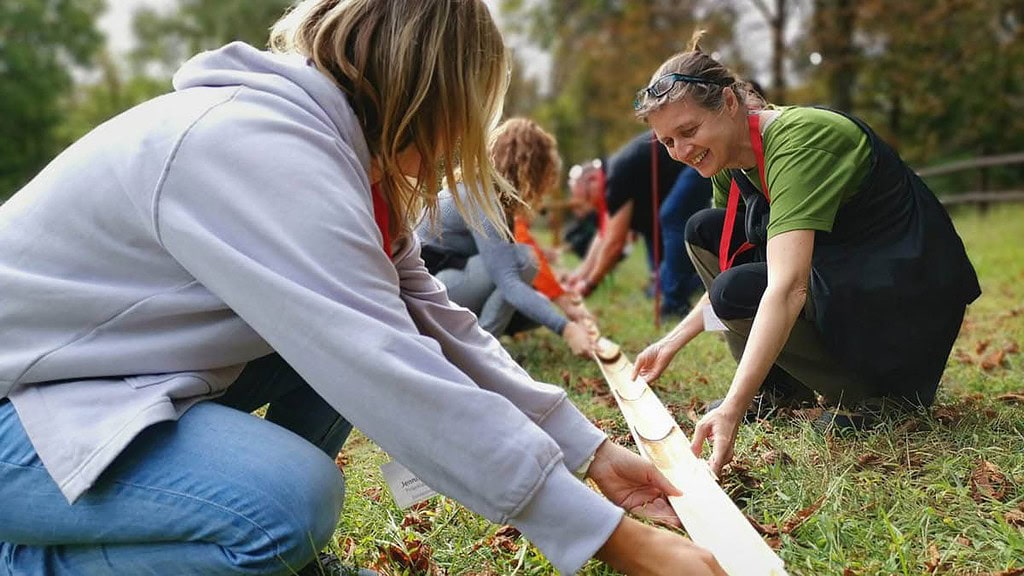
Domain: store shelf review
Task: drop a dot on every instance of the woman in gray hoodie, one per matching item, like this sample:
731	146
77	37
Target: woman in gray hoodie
246	240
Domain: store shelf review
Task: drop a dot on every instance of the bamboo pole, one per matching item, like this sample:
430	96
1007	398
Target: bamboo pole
706	511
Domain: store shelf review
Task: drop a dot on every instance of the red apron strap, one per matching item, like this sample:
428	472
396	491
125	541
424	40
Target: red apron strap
382	218
602	204
724	259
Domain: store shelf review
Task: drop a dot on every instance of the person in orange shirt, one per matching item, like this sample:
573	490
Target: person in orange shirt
546	282
483	269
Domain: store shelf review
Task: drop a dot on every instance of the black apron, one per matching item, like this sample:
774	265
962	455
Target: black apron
890	282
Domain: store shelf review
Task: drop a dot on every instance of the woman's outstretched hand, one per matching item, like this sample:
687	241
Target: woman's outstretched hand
653	360
720	426
579	339
633	483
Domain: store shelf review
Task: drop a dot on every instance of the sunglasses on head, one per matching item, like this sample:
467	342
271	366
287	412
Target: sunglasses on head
664	85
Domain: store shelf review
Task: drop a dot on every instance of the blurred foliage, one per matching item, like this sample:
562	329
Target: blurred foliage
166	39
940	79
602	52
40	42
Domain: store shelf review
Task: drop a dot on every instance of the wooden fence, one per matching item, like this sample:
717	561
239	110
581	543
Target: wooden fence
982	197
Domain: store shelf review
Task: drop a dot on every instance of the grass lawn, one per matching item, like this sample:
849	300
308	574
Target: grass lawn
942	493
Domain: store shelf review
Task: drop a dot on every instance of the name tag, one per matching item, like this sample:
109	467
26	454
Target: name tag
712	323
406	489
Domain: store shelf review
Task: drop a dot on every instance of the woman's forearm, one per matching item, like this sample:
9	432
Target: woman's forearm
773	322
689	327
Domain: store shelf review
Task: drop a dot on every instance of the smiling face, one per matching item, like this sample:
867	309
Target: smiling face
705	139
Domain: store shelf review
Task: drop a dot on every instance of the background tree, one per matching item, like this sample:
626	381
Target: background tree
168	38
602	52
41	41
949	94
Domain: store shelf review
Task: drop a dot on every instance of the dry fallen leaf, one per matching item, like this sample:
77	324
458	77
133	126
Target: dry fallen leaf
341	460
416	557
773	457
763	529
994	360
1016	517
963	357
802	516
1012	397
418	520
505	540
1009	572
988	482
934	559
981	347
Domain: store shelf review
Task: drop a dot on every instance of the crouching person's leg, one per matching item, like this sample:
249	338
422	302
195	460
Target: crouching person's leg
218	492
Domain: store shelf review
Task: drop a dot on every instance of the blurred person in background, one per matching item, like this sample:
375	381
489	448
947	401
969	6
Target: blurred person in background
627	184
488	272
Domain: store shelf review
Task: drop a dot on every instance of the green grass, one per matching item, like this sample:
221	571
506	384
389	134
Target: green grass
895	501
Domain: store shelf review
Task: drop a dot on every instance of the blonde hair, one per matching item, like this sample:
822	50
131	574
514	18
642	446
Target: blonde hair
527	156
694	62
425	74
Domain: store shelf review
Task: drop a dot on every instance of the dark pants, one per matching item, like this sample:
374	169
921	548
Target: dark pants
735	296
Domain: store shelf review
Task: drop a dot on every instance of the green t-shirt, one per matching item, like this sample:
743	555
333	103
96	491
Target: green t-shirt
815	161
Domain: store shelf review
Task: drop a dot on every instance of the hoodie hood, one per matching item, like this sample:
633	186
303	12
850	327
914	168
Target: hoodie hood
289	76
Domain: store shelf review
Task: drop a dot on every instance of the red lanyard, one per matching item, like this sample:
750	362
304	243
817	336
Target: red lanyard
724	260
381	217
602	205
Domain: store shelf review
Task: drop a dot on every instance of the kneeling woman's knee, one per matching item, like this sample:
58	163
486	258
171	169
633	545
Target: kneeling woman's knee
309	513
294	507
704	228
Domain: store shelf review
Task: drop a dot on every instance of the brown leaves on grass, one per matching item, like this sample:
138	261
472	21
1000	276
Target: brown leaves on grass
951	414
418	518
908	460
346	548
987	358
414	556
688	411
769	455
738	482
505	539
1012	397
988	482
616	430
994	360
771	531
806	414
1008	572
1016	517
341	460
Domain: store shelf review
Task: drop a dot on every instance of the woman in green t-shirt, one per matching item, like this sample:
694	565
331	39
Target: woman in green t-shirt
839	273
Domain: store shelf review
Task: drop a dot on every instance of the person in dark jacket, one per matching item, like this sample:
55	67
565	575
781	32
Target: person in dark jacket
842	275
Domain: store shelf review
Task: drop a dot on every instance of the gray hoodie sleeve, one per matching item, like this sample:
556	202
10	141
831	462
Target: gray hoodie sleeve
502	263
272	213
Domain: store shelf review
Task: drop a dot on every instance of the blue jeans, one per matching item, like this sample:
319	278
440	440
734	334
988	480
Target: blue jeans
690	193
217	492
